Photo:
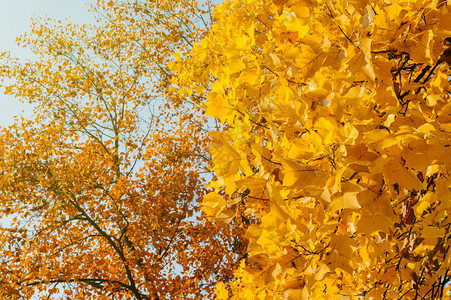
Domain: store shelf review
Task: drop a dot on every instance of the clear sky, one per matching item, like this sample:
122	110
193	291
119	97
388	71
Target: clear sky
15	19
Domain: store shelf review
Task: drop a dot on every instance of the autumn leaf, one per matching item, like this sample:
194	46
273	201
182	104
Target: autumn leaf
213	204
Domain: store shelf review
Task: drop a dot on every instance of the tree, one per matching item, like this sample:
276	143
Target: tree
99	189
336	137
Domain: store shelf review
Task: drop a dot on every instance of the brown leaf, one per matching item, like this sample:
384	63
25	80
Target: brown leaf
446	56
279	4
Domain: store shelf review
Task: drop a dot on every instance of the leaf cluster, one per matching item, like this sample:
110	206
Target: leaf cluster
335	140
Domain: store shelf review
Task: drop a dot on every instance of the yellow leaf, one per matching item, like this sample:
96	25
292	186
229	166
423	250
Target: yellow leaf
296	24
268	241
213	204
342	254
226	159
421	53
347	199
374	221
236	65
296	294
309	61
301	175
323	270
221	292
423	204
360	5
398	174
361	64
225	217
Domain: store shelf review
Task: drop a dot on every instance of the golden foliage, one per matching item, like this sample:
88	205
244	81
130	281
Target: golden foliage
336	138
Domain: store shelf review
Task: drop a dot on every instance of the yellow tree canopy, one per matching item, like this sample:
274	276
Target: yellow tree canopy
100	189
337	122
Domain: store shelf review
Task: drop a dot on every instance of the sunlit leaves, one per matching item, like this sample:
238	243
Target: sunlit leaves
340	120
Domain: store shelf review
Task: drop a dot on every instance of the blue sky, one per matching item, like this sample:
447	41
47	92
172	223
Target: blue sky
15	19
